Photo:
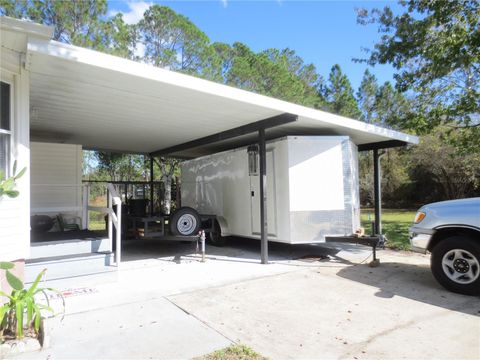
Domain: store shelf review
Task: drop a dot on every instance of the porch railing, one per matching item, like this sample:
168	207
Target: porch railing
114	212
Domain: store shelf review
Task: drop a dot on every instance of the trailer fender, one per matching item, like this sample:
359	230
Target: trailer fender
222	222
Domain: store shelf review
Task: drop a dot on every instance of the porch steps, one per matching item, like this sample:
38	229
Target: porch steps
73	270
68	247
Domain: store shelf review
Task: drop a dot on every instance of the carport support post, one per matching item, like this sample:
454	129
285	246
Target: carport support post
263	196
151	185
377	192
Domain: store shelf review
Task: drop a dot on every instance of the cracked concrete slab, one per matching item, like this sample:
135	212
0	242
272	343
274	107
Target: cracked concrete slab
149	329
395	311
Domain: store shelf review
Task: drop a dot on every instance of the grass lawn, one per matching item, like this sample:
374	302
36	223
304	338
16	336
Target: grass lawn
96	220
395	224
234	352
96	225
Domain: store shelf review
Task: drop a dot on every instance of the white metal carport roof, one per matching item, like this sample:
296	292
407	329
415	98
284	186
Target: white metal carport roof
105	102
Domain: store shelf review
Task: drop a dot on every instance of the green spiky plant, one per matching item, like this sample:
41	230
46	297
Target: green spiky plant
7	185
22	302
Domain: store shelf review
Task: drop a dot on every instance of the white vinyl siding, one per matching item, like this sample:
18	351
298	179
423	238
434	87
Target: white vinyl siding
56	178
14	212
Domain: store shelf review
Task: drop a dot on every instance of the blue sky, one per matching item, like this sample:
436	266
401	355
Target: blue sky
321	32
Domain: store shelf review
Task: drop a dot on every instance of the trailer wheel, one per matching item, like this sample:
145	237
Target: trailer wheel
185	222
215	237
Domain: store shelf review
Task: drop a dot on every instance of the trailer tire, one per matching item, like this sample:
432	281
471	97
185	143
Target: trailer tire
215	237
185	222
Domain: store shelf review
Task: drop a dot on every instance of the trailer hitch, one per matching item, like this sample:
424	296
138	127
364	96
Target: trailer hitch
374	241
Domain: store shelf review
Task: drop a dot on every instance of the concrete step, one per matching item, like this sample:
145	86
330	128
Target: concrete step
82	281
70	267
68	247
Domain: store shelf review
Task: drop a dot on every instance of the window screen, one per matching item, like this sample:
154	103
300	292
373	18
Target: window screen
5	133
4	155
5	106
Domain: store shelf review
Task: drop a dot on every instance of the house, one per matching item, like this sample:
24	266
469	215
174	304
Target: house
58	99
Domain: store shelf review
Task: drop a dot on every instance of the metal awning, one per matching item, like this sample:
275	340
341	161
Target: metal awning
105	102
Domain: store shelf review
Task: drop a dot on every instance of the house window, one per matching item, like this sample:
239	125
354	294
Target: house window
5	129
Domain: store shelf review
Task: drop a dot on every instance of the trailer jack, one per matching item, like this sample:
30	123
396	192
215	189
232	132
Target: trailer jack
201	243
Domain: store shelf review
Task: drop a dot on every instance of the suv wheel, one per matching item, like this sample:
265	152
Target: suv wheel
455	263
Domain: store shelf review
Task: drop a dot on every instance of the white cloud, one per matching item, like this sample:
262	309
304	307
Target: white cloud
224	3
135	12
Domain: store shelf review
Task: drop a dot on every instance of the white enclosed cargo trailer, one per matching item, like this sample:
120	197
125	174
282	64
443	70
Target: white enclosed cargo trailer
312	189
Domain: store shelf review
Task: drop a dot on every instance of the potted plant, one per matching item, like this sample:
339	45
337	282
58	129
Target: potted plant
22	315
7	185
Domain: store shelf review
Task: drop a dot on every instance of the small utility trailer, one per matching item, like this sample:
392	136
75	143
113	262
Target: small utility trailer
159	227
312	195
182	225
312	188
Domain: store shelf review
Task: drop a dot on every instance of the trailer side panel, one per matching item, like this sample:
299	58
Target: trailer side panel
312	189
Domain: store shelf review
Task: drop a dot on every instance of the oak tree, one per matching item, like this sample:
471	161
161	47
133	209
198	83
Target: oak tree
434	47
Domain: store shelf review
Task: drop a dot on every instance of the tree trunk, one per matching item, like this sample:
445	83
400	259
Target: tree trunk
167	202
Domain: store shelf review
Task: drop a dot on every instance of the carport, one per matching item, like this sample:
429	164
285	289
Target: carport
80	96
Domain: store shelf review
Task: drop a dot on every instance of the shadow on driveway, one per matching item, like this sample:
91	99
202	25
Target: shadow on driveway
411	281
392	278
236	250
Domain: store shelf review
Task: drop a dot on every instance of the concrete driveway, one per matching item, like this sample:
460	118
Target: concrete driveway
311	302
344	311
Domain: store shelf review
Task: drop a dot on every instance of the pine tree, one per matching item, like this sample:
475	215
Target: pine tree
339	94
390	106
367	96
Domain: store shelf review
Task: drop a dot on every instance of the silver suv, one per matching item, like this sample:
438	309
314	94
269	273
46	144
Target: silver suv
450	230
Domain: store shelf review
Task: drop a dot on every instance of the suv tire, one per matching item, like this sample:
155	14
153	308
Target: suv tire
455	263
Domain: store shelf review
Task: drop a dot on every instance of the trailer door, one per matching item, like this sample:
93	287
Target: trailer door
271	197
